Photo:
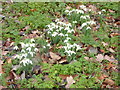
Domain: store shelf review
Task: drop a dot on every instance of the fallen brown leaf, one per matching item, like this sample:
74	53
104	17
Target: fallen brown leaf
87	58
70	81
105	44
101	77
54	56
68	7
118	23
108	58
111	11
93	8
4	52
109	81
101	50
100	57
62	61
9	60
1	87
111	50
1	70
65	76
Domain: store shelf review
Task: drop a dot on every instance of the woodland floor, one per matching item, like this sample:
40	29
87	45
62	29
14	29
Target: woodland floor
59	45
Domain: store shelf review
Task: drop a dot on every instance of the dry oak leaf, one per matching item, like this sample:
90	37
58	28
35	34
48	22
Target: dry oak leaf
105	44
111	50
54	56
1	62
70	81
62	61
4	52
109	82
99	57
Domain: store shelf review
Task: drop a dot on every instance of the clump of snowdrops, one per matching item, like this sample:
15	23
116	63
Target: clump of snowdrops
26	52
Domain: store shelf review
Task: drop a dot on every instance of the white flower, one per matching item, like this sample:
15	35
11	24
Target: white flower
56	26
0	74
91	22
46	40
83	7
27	45
66	35
66	10
35	49
77	47
65	41
69	52
32	45
32	40
28	49
69	25
48	45
60	28
23	51
48	32
54	34
67	28
22	44
85	17
44	47
99	12
16	56
88	28
84	24
81	11
26	61
24	55
16	48
57	20
103	10
61	34
31	53
74	21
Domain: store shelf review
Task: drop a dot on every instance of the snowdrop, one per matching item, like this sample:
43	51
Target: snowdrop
103	10
76	46
32	45
61	34
74	11
99	12
23	51
48	45
88	28
35	49
32	40
16	48
83	25
24	55
44	47
31	53
83	7
26	61
22	44
74	21
85	17
27	45
69	52
91	22
87	23
54	34
66	35
28	49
